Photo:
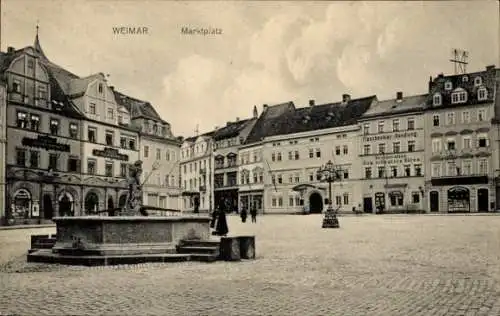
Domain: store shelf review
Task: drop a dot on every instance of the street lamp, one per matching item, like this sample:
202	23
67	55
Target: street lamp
330	173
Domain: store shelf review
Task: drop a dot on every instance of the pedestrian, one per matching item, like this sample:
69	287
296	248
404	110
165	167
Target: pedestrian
253	213
221	228
243	214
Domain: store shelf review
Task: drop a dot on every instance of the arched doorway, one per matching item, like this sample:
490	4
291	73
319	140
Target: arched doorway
91	203
21	204
315	203
66	204
434	201
111	204
483	200
48	209
458	200
122	200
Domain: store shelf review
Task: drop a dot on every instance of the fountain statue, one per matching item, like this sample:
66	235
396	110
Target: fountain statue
134	204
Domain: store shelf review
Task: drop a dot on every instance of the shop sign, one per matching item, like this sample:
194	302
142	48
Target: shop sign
110	153
392	159
397	135
45	142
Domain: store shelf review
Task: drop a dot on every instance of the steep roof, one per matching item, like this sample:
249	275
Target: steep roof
137	108
392	106
232	129
268	121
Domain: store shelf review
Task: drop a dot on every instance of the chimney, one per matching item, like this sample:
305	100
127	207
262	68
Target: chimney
399	96
228	123
255	113
264	107
346	98
440	75
10	49
311	102
112	88
237	119
490	67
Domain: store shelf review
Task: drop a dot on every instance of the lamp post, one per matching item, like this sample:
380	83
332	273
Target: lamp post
330	173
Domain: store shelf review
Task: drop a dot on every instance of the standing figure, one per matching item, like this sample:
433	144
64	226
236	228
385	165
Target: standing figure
221	228
253	213
243	214
196	204
134	200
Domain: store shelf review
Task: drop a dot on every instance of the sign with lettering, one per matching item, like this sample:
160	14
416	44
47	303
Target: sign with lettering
45	142
392	159
398	135
111	153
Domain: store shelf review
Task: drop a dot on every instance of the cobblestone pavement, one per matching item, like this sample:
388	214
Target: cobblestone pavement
373	265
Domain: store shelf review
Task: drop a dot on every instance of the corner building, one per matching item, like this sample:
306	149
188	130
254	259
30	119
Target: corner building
392	155
459	153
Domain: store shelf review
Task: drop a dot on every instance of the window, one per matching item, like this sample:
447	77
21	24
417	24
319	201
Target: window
435	120
22	120
311	177
465	79
54	126
467	167
92	108
436	100
396	147
21	157
395	125
460	96
482	94
158	154
100	88
466	142
436	169
280	201
311	153
35	122
278	157
483	166
297	156
411	145
366	129
436	145
30	63
418	170
16	86
345	149
290	201
450	118
482	141
368	172
42	93
109	138
478	81
34	159
337	150
73	130
290	179
481	115
120	119
123	142
448	85
381	148
273	179
465	117
415	197
91	134
73	164
110	114
346	198
53	161
338	200
273	202
366	149
318	153
407	170
394	171
91	166
146	152
381	127
396	198
346	174
381	172
280	179
411	124
452	168
451	144
290	155
108	171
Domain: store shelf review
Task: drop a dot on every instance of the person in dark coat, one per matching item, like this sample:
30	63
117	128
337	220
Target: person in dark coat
243	214
253	213
221	228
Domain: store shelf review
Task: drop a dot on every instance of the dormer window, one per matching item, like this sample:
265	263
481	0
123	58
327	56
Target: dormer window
448	85
459	96
465	79
100	88
478	81
482	94
437	99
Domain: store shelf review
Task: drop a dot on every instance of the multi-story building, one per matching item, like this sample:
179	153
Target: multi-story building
43	131
3	144
159	153
458	125
392	154
297	142
227	141
196	172
496	139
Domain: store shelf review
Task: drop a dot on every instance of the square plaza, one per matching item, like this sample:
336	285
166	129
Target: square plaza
372	265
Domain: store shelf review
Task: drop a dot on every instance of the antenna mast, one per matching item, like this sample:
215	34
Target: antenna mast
460	60
196	131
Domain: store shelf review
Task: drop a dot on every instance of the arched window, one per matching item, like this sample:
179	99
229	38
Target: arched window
465	79
478	81
436	99
459	96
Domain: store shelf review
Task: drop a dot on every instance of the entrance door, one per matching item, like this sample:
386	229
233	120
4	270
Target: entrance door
91	203
482	200
434	201
122	200
368	205
458	200
315	203
48	210
111	204
65	206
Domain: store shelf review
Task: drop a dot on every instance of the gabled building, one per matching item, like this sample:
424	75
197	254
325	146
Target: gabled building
459	151
196	172
159	152
392	155
3	148
227	141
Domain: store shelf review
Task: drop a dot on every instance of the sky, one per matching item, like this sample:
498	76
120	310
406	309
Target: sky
266	52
